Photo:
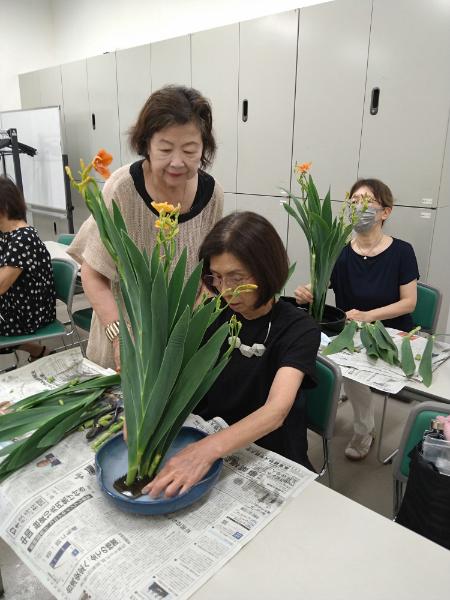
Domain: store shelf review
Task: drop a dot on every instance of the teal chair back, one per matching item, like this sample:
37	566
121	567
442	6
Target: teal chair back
427	309
64	275
322	402
65	238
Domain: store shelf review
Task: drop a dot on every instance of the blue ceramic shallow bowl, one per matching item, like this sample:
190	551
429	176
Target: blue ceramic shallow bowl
111	462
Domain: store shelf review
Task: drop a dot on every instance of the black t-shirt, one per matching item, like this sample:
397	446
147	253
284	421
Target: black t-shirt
372	282
205	190
244	384
30	302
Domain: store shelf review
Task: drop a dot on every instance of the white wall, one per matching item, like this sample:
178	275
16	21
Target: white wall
85	28
26	44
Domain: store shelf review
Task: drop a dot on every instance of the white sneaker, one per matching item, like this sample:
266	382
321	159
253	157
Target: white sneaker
359	446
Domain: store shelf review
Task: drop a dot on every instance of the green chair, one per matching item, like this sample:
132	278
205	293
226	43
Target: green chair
322	403
82	318
428	307
426	314
65	238
64	274
418	421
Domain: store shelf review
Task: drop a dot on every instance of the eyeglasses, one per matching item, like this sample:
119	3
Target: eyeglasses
218	282
361	198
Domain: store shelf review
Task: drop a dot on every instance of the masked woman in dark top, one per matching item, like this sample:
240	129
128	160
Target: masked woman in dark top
258	392
375	278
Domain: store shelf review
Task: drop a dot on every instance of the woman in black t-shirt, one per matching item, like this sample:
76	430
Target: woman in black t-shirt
375	278
258	392
27	290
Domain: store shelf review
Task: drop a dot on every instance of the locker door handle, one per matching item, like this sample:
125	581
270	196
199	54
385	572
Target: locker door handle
93	120
374	101
245	110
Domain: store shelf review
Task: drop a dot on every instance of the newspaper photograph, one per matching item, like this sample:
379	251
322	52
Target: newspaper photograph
79	545
379	374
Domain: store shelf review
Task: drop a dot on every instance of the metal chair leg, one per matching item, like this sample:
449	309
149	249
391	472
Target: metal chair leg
326	467
388	459
398	493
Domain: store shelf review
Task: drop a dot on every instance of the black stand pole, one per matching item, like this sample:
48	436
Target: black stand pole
16	159
68	193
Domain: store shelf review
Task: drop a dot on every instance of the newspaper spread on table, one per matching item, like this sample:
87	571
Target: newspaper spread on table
79	545
379	374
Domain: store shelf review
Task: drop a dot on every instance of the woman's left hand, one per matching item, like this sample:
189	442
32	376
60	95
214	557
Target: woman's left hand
182	471
359	315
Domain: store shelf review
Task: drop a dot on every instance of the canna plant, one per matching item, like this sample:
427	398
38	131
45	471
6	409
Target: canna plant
46	417
166	367
326	235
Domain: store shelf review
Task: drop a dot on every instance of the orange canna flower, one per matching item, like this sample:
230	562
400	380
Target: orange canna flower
303	167
101	163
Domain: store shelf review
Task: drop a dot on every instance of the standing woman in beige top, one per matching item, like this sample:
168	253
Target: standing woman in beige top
173	134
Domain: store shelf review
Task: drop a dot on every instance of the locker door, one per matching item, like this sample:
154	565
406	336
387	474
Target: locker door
220	85
102	89
414	225
171	62
330	92
51	92
132	92
267	206
409	63
268	48
76	113
30	91
51	87
229	203
439	258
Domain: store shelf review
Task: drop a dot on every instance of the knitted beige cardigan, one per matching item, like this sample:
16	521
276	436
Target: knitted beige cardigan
140	220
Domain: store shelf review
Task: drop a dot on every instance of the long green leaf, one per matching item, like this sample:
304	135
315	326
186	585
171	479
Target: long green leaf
158	391
176	286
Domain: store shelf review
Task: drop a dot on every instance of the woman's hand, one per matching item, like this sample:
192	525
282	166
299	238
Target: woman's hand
303	294
359	315
182	471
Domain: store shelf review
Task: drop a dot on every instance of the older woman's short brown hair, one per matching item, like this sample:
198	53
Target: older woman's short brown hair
256	244
12	203
174	105
380	191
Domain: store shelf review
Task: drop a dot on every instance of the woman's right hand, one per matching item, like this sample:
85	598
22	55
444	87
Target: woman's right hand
303	294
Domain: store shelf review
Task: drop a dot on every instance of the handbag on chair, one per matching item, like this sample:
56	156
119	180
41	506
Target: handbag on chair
425	507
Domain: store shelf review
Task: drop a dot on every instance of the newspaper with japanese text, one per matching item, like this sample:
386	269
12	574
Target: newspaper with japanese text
62	526
379	374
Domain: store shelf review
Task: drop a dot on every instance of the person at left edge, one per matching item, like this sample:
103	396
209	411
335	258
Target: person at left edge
259	391
27	289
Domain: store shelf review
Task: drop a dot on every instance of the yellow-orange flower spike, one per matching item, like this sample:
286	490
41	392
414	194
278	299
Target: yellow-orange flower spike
101	162
163	207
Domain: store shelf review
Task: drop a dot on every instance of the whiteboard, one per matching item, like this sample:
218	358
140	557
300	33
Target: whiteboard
43	174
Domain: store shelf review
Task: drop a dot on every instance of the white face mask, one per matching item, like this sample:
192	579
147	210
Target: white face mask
366	219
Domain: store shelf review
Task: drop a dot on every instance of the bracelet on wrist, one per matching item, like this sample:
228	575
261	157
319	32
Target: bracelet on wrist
112	330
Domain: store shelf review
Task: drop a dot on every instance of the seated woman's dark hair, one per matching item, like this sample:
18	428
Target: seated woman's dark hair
12	203
253	240
174	105
380	190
